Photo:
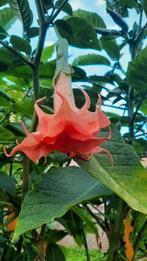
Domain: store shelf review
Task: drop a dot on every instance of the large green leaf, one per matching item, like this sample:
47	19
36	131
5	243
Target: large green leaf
111	47
78	32
55	194
92	18
136	74
91	59
127	178
22	10
6	18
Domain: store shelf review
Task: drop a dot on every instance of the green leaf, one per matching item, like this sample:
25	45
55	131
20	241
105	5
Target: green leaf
136	73
78	32
54	253
127	178
111	47
6	135
3	33
118	20
92	18
33	32
20	44
54	195
6	56
91	59
22	9
6	18
47	53
67	7
7	184
49	3
144	4
3	2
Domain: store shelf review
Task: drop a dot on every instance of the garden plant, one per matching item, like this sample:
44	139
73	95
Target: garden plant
73	129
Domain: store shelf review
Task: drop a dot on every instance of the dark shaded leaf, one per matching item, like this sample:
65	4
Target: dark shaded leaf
54	253
67	7
33	32
3	2
7	184
118	20
78	32
20	44
144	4
22	10
111	47
3	33
107	32
136	73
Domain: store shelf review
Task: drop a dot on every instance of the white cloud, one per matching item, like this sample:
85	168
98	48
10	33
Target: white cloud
78	4
99	3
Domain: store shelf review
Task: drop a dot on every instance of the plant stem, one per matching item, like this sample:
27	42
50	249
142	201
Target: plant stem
26	171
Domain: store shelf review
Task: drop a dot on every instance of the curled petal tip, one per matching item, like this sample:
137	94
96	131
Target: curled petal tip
24	128
5	151
40	100
87	101
109	156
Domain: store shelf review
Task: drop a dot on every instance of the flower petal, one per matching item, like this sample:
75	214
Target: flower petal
32	146
44	118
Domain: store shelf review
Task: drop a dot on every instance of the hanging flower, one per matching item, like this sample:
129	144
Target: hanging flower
69	130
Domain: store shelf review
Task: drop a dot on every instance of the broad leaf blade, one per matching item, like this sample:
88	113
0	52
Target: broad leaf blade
127	178
78	32
90	17
55	194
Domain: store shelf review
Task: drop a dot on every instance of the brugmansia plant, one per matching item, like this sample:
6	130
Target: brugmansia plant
47	126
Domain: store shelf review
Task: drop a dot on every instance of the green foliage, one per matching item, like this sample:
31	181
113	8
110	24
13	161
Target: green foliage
78	32
74	254
20	44
92	18
91	59
47	201
50	191
136	73
54	253
6	18
126	171
22	10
